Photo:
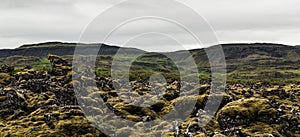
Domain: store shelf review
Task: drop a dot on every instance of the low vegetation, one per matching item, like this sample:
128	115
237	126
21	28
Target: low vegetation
261	98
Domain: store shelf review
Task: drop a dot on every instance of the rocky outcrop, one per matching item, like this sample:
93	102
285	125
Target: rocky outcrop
13	104
44	103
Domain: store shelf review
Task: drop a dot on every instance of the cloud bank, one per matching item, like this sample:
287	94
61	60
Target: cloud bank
34	21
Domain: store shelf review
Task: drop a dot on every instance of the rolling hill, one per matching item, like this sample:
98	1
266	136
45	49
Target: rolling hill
245	61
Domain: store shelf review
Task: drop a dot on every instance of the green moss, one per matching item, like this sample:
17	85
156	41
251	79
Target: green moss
249	108
260	129
4	78
42	64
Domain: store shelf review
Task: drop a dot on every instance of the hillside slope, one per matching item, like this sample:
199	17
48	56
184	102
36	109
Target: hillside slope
61	49
245	62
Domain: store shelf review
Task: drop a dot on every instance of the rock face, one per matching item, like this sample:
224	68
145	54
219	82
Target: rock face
44	103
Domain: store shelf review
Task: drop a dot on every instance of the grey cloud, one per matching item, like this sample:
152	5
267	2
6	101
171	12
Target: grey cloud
34	21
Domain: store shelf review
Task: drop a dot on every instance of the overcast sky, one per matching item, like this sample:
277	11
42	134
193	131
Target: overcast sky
34	21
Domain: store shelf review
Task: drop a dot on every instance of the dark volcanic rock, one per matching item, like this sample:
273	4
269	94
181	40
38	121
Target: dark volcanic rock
6	69
11	102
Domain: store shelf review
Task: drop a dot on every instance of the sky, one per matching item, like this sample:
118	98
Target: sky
232	21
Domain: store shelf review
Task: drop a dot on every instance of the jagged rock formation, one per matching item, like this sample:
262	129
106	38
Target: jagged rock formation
42	103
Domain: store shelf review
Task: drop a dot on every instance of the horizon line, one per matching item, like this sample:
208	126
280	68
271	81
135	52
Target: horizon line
116	45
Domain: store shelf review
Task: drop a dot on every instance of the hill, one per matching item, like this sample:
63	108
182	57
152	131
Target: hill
245	61
61	49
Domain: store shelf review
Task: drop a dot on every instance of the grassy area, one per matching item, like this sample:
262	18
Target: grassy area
42	64
146	65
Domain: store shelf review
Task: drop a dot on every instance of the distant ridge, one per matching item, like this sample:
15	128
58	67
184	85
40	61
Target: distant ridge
61	49
254	44
231	50
54	43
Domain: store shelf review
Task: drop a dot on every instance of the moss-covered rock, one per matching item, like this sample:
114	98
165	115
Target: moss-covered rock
5	79
43	103
246	111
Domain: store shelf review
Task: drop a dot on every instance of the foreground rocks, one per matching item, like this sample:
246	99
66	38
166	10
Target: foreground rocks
44	103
